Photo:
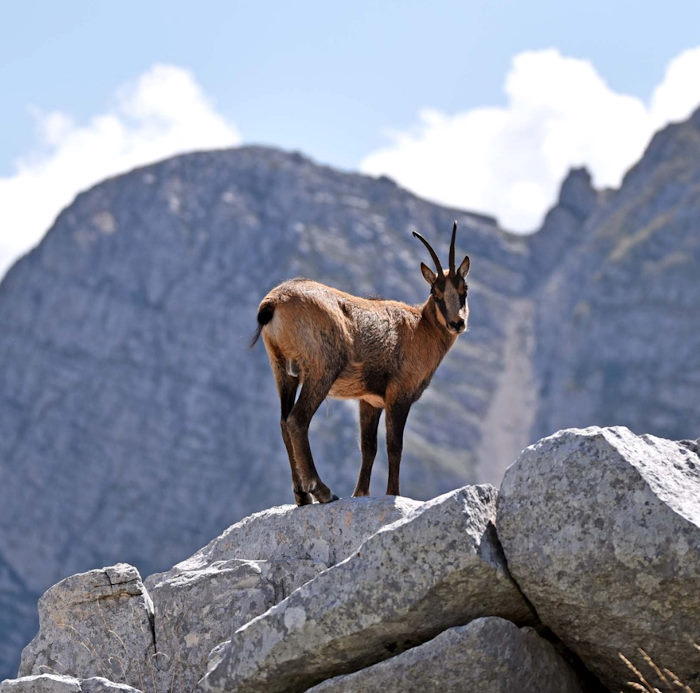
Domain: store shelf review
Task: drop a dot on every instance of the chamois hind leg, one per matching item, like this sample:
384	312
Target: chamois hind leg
287	387
396	415
369	420
313	392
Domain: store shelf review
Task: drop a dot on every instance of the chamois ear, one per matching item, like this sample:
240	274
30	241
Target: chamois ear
428	274
463	269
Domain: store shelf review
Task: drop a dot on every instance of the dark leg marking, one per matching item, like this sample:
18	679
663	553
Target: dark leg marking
396	416
287	387
313	392
369	420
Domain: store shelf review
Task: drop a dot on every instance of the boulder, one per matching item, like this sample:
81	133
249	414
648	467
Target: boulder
319	533
489	655
41	683
198	609
601	529
53	683
439	567
253	565
97	684
93	624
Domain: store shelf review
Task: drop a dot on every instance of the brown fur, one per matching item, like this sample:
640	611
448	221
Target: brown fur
380	352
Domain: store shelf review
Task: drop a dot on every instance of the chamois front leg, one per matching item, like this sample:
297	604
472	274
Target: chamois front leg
313	392
369	420
396	415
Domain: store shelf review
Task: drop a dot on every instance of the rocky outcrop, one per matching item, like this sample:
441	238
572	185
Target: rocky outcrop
439	567
106	622
357	581
617	312
320	534
253	565
98	623
488	655
601	529
564	227
593	539
52	683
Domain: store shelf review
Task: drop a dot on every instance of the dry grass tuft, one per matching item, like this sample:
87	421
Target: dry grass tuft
666	680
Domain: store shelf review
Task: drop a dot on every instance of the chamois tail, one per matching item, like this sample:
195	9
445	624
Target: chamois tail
265	313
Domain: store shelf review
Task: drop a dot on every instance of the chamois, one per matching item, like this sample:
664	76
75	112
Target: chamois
380	352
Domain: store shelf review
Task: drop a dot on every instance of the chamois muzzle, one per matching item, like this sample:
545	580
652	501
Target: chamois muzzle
457	326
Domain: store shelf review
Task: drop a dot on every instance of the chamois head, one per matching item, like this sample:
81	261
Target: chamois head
448	288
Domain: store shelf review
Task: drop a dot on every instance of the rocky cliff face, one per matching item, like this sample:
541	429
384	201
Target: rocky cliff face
128	398
618	314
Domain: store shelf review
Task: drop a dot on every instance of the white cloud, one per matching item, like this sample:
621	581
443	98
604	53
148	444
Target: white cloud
162	113
678	95
509	161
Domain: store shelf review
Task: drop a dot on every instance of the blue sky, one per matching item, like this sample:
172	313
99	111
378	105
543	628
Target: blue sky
413	89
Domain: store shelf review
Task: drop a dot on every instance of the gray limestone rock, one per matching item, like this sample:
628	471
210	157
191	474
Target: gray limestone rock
439	567
319	533
488	655
41	683
95	624
253	565
97	684
53	683
601	529
617	312
198	609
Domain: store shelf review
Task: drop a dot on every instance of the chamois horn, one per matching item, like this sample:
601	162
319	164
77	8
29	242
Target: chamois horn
452	250
433	254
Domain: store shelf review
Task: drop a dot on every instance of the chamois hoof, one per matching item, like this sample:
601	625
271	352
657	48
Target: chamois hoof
324	495
303	498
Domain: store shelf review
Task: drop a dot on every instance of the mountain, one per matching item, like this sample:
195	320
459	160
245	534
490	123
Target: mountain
619	315
135	423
